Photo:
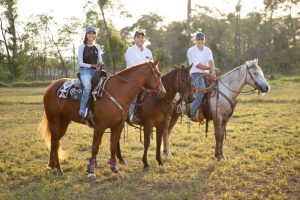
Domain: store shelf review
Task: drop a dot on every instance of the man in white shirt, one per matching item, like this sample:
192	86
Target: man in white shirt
203	63
135	55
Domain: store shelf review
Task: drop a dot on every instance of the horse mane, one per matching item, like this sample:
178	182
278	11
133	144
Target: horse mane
128	70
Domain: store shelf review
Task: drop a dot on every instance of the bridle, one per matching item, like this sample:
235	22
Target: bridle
243	92
156	91
177	88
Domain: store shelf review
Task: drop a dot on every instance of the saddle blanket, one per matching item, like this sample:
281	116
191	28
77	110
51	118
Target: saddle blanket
73	88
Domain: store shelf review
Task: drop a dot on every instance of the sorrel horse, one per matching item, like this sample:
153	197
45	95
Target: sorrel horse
157	112
222	100
110	111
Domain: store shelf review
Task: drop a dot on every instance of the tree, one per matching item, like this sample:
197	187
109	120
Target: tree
108	37
9	37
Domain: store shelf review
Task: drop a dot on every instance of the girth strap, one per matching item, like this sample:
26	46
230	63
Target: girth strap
229	101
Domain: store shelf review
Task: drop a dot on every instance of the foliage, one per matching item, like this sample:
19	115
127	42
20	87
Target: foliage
273	40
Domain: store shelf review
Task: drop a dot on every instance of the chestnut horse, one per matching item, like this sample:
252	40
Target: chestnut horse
222	100
110	111
157	112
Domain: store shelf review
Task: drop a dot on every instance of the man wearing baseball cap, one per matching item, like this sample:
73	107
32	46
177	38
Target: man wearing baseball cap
203	64
135	55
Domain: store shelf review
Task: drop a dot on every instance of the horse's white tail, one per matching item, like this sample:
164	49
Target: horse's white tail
45	132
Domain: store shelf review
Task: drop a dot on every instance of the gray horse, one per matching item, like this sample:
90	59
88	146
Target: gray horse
222	100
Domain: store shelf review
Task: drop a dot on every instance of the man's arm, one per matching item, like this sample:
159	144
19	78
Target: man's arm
212	69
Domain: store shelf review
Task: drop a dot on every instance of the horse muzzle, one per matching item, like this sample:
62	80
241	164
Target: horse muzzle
161	93
264	88
189	98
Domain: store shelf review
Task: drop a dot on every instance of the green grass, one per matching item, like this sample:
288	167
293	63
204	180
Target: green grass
262	147
25	84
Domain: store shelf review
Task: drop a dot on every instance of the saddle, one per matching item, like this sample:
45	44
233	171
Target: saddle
73	88
204	109
203	112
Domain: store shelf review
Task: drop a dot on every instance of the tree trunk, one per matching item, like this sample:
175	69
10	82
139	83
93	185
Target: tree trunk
108	35
8	56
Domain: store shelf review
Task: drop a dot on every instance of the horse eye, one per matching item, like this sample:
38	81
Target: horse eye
256	73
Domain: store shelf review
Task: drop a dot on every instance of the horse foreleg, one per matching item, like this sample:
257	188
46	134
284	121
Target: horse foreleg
119	155
114	141
166	137
159	133
148	125
97	137
217	127
222	135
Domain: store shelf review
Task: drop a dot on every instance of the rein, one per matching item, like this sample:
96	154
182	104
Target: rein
243	92
141	87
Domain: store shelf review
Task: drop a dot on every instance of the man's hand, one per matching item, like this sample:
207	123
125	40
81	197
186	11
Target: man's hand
212	70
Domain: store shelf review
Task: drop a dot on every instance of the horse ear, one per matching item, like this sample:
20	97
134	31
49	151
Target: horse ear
176	67
191	65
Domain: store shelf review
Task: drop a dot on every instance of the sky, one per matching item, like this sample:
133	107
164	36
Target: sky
171	10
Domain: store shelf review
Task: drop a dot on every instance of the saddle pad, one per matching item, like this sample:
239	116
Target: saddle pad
73	88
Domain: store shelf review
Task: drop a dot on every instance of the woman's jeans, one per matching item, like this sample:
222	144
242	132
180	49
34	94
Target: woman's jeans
86	75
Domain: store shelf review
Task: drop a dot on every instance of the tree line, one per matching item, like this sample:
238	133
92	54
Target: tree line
45	50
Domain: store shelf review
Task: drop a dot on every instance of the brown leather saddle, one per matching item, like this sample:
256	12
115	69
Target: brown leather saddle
204	108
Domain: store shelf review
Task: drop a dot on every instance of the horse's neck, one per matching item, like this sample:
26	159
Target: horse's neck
125	91
169	81
235	81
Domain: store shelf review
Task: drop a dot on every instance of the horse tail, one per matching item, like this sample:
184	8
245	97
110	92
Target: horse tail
45	132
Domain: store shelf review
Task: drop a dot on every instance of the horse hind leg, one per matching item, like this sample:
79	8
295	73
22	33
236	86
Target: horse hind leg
58	130
119	155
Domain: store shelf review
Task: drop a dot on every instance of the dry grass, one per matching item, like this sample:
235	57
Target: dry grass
262	148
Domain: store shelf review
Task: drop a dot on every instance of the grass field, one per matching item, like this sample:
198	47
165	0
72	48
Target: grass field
262	147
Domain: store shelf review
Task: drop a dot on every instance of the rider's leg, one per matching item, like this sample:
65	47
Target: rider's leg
199	96
86	77
131	110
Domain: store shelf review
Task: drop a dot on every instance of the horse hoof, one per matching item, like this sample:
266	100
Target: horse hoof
60	172
168	154
92	176
54	172
123	162
115	170
146	168
221	158
160	164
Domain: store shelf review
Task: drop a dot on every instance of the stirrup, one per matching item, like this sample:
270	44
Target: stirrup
88	119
